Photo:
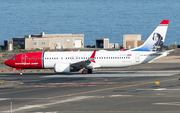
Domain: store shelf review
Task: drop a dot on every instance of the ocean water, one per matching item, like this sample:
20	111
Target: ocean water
94	18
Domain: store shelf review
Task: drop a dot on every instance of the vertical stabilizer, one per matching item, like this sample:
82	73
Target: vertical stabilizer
155	41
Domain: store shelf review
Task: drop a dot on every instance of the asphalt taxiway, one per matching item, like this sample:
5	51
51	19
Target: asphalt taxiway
149	88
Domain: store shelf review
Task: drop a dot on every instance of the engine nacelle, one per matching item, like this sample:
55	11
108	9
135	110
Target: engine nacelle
62	67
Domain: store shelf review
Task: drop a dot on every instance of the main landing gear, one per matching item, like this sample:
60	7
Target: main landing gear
87	71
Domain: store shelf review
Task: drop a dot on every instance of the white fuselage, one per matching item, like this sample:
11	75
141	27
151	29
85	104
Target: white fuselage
102	58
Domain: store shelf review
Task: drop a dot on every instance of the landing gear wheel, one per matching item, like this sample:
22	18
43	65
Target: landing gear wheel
89	71
84	71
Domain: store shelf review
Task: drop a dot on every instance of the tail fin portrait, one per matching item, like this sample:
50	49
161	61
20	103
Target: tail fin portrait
155	41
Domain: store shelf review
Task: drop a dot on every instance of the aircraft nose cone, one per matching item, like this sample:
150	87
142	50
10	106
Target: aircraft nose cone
6	62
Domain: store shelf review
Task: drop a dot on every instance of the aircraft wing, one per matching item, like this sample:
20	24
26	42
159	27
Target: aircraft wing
86	63
81	64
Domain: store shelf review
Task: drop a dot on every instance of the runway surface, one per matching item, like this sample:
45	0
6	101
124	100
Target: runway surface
133	91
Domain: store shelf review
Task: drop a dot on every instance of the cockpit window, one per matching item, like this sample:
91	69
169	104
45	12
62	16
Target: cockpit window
13	58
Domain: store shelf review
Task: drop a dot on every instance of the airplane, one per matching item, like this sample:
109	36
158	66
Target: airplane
65	62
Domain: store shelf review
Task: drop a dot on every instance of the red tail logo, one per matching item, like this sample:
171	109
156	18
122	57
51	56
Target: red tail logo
92	57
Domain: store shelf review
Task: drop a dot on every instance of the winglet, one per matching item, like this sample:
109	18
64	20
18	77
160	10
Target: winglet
122	49
93	56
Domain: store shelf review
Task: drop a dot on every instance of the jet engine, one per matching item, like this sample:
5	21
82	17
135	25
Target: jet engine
62	67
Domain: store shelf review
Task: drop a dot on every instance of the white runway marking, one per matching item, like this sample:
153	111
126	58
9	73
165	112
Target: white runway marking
46	112
48	104
119	95
117	74
1	99
169	103
159	89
